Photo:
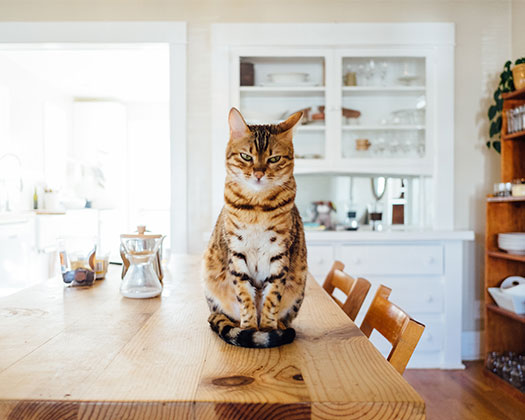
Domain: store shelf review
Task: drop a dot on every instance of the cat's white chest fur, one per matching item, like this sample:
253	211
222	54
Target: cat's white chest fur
259	246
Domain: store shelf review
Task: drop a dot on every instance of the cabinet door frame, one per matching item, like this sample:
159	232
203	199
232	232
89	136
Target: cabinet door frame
434	41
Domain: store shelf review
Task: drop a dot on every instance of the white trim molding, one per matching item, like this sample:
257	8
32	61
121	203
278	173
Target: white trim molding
471	344
15	34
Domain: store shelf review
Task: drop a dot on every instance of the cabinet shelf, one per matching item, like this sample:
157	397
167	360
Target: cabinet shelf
520	135
366	166
383	89
509	199
503	385
271	90
505	330
505	312
382	127
517	94
506	256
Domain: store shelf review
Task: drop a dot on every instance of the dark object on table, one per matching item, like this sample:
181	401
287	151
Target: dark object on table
79	277
247	74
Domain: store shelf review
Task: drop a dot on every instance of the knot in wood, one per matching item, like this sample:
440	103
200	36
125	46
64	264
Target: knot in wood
233	381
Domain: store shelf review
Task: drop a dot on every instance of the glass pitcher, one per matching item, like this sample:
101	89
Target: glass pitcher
141	280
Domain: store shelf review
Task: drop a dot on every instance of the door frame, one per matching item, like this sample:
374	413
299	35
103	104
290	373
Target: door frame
172	33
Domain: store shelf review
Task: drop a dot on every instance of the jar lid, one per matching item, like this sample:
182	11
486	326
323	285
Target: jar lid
141	234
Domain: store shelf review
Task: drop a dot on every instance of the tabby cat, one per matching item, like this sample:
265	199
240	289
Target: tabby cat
254	268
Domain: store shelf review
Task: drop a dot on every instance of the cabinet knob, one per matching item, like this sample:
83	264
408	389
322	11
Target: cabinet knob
357	261
429	299
431	260
429	338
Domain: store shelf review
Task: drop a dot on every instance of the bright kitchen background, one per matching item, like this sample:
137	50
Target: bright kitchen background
488	32
90	123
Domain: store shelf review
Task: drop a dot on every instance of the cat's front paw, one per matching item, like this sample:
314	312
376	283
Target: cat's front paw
248	325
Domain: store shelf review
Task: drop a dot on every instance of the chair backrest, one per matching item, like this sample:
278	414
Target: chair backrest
354	289
395	325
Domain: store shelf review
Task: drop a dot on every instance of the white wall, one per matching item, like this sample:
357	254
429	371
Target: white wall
486	36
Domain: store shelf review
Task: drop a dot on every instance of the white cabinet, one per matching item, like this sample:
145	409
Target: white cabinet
399	260
398	77
425	276
19	266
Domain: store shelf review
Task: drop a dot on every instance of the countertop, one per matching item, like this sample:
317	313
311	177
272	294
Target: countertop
390	235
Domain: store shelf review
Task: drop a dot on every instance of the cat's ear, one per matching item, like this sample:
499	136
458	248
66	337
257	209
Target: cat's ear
290	122
238	127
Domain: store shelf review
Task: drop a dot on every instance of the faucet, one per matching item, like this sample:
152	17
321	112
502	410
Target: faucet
3	181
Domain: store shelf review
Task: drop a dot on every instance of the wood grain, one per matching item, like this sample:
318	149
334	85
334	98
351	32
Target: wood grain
92	354
467	394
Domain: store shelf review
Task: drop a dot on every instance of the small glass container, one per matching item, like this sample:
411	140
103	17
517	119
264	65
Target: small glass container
77	260
375	216
518	187
351	221
140	253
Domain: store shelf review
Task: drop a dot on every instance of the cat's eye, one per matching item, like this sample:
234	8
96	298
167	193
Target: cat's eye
274	159
246	157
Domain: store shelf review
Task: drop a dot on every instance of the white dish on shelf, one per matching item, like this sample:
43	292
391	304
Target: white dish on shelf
512	242
288	77
513	301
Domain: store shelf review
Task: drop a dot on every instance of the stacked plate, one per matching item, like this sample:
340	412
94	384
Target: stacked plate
512	242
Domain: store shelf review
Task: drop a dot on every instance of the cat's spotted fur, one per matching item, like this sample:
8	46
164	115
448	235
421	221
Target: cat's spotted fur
255	266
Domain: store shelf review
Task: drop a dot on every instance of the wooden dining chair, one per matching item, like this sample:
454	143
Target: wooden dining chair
354	289
395	325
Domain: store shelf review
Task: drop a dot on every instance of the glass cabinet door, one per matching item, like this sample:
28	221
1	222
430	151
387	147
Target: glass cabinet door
383	101
271	88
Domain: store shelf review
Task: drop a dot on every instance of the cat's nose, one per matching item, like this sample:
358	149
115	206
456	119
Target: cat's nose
258	175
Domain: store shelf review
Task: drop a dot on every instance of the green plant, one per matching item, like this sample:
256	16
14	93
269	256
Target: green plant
506	84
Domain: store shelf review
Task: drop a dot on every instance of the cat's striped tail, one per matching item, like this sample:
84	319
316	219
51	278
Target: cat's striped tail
230	332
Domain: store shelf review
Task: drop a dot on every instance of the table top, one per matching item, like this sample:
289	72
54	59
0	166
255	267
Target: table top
80	353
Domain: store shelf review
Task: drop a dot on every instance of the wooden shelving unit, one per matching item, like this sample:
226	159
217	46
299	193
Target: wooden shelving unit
505	330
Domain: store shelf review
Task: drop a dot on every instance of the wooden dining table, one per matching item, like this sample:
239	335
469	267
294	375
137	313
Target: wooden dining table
89	353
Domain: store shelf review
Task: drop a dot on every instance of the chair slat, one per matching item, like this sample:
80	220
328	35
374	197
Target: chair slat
395	325
355	289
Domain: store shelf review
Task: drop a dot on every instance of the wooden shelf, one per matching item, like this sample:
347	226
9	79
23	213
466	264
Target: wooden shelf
505	330
506	256
509	314
509	199
504	385
520	135
517	94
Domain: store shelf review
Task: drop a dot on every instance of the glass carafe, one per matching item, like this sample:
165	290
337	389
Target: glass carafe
141	279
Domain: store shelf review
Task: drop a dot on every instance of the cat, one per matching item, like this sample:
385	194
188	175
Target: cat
255	269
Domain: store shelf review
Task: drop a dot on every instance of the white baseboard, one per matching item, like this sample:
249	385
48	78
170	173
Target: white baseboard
472	345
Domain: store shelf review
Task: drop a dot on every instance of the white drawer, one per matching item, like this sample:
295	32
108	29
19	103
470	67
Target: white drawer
320	259
414	294
393	259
